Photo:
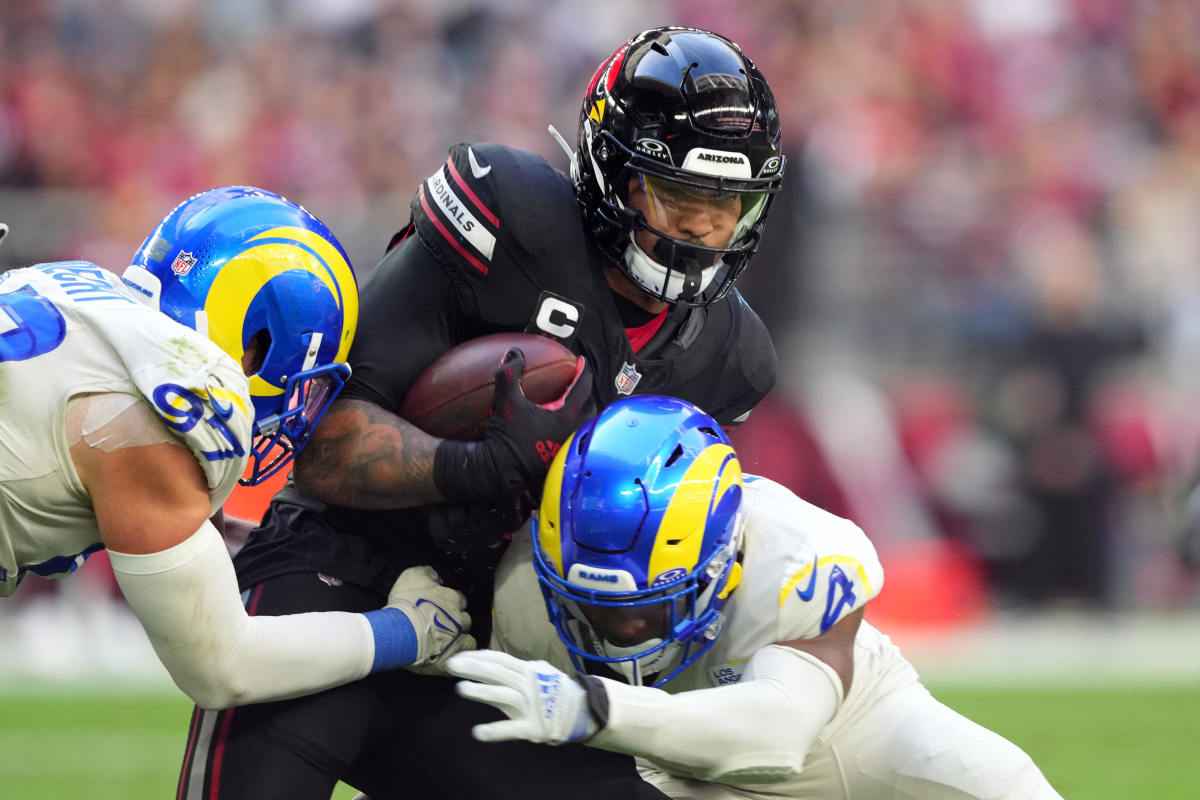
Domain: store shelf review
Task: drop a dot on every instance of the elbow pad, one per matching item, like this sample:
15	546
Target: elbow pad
755	732
187	599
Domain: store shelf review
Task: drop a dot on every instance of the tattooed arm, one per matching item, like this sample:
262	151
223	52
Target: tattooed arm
366	457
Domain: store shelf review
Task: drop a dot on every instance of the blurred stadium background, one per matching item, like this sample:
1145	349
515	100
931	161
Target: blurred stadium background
983	278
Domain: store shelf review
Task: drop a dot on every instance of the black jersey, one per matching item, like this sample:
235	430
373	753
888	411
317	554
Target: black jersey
497	243
507	231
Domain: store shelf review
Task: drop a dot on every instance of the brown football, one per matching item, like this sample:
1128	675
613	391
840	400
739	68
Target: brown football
452	398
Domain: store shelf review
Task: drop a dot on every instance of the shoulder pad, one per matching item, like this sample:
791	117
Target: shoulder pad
828	566
490	207
204	399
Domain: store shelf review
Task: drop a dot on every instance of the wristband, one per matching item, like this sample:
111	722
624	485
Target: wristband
597	700
460	473
469	471
395	639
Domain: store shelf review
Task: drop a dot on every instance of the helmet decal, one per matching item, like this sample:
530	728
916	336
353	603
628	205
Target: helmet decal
597	112
683	528
549	512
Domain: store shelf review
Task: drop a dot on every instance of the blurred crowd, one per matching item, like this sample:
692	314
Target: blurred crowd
983	274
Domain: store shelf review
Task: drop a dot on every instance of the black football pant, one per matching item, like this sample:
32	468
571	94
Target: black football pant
392	735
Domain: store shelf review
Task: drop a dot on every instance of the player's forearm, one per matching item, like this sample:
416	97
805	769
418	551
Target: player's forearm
362	456
753	732
188	603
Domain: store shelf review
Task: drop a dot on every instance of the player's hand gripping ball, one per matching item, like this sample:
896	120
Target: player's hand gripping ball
452	398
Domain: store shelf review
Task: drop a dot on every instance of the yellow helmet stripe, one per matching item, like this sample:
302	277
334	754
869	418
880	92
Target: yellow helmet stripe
243	276
681	532
550	513
339	277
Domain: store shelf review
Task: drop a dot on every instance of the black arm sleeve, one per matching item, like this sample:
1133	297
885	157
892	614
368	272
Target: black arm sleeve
410	312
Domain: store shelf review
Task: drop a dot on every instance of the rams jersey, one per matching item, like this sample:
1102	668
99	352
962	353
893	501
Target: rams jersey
803	570
71	329
507	228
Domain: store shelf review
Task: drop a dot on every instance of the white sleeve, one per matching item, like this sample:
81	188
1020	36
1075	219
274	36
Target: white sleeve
753	732
188	602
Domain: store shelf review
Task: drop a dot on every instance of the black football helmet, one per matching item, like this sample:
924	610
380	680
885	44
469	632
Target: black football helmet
681	115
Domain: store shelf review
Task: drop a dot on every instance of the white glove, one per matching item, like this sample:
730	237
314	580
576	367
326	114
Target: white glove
543	703
438	615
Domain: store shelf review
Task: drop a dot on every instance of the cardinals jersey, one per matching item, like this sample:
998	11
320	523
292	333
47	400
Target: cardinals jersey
72	329
506	227
497	243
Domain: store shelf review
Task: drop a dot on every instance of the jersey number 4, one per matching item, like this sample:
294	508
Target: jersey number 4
841	595
30	325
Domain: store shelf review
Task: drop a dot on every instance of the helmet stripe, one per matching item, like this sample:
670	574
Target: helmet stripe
338	273
682	534
549	528
281	249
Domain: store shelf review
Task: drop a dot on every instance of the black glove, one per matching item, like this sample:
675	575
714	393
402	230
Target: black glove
520	439
467	529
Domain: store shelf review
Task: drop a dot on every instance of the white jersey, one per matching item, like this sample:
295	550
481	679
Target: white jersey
803	570
71	329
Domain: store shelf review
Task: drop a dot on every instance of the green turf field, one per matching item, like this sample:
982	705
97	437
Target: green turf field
1091	743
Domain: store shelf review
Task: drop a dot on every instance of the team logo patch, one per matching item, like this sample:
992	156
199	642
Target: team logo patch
627	379
183	263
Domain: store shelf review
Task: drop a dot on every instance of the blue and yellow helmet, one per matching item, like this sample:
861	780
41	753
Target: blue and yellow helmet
636	540
244	265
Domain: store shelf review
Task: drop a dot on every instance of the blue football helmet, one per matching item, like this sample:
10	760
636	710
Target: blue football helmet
244	265
637	538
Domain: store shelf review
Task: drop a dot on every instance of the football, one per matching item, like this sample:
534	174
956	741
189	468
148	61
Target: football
452	398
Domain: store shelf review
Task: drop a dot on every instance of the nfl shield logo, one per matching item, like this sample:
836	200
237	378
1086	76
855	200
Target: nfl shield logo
183	263
627	379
